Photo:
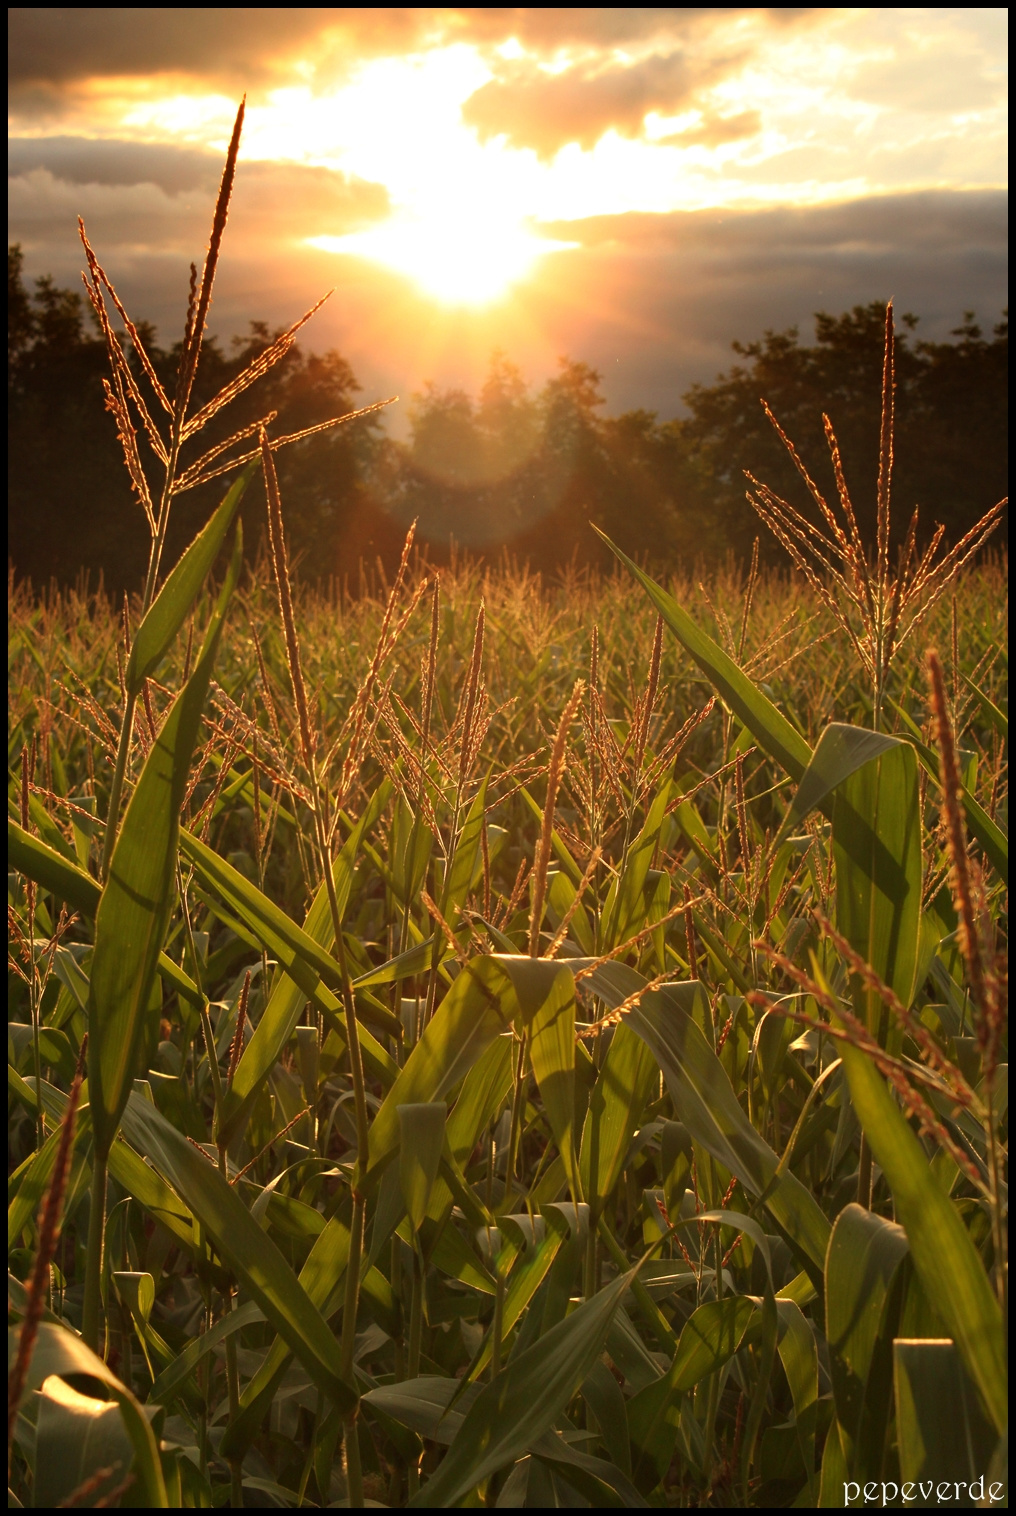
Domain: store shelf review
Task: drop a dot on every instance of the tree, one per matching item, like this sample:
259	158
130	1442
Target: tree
951	398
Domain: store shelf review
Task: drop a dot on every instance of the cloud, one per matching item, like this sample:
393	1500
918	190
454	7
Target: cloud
147	208
652	301
532	109
80	160
54	51
658	299
714	131
52	44
667	57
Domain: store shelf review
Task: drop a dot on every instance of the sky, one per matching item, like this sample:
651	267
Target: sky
633	187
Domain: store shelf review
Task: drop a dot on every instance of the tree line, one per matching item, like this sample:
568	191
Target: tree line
511	469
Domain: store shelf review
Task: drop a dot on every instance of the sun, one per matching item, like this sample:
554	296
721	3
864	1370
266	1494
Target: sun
456	259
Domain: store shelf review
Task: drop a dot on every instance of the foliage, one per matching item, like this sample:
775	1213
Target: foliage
502	1088
667	1147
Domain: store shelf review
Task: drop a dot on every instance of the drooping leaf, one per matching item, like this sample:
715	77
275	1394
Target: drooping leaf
877	850
624	912
705	1100
305	961
288	998
510	1415
865	1255
940	1428
80	891
616	1104
478	1008
552	1054
710	1338
840	751
243	1246
60	1352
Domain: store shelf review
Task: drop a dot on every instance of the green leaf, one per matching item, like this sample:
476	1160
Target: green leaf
602	1395
525	1280
865	1256
58	1351
288	999
483	1094
768	726
467	859
602	1483
80	891
995	717
510	1415
243	1246
305	961
170	608
705	1100
422	1133
616	1104
877	850
425	1405
134	911
78	1439
941	1248
710	1338
992	839
552	1053
174	1377
625	910
25	1205
799	1356
940	1427
840	751
476	1010
321	1278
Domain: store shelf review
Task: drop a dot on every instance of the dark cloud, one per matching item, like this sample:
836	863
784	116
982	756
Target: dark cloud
53	44
674	290
154	200
545	112
53	50
80	160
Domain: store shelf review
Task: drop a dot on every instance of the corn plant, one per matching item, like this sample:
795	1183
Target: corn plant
543	1046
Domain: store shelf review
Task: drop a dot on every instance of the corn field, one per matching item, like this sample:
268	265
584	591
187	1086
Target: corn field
481	1043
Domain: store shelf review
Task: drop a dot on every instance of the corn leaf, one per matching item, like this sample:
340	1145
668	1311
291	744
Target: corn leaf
767	724
943	1253
510	1415
134	910
170	608
243	1246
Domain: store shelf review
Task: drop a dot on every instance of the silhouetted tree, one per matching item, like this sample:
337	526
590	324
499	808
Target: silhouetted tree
508	469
